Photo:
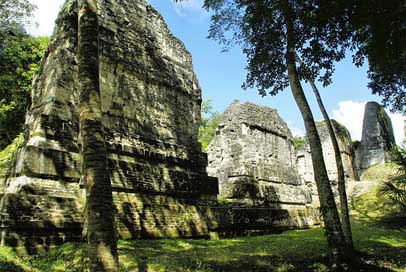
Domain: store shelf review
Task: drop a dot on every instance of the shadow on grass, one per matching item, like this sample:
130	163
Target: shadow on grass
10	267
291	251
380	249
396	222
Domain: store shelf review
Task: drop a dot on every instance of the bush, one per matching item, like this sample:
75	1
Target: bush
395	188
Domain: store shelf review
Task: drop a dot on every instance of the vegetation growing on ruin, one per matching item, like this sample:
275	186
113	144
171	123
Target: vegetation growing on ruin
210	121
380	172
6	155
299	142
395	188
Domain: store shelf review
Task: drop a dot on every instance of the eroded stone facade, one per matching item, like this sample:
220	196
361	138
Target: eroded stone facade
253	157
377	137
346	148
151	113
304	160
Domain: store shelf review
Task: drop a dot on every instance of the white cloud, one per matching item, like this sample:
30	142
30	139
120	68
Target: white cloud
44	17
398	126
296	131
47	12
351	115
190	8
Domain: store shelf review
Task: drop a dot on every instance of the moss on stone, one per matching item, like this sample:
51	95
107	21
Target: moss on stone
6	155
380	172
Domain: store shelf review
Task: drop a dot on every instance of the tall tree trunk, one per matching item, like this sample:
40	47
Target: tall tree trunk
102	244
345	217
335	238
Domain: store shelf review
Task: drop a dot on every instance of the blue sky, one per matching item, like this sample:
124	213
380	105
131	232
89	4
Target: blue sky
221	74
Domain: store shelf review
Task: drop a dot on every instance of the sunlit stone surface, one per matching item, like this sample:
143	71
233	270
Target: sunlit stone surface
377	137
151	113
304	160
254	159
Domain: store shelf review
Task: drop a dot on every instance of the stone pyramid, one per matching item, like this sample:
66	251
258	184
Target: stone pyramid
151	113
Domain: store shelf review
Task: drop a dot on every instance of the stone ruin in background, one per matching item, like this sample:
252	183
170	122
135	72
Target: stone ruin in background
253	156
254	159
304	160
151	113
377	137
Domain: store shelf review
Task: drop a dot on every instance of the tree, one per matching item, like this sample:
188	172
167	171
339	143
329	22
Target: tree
395	188
101	237
20	55
14	13
209	124
345	216
272	33
380	37
376	32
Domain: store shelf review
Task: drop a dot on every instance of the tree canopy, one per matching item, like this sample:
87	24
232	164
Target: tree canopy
208	126
14	13
380	37
20	55
325	30
258	26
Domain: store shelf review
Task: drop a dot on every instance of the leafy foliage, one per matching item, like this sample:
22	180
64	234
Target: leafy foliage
375	31
395	188
380	37
209	124
14	13
20	55
299	142
258	26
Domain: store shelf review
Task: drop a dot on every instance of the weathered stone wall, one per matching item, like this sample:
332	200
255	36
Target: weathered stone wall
346	149
304	160
377	137
253	157
151	113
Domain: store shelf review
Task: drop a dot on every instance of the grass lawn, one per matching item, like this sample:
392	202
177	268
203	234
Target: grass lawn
381	246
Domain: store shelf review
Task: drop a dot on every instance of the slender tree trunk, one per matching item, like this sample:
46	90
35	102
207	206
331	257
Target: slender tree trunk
102	244
335	238
345	217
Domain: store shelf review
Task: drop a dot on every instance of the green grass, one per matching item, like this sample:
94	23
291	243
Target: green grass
299	250
381	247
380	172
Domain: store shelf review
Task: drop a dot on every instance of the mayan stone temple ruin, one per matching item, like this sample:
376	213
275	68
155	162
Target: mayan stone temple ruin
254	159
377	137
252	179
151	113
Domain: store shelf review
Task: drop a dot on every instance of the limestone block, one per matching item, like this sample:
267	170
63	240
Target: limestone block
253	157
305	164
377	137
151	113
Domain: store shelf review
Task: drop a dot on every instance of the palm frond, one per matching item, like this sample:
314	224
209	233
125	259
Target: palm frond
395	192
